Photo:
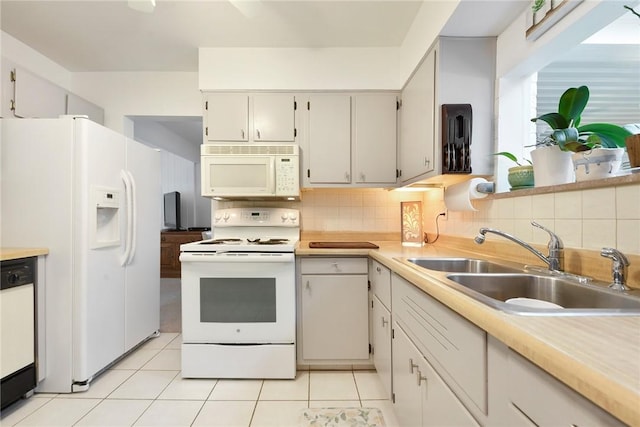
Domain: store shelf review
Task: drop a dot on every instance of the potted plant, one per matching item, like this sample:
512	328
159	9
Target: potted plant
597	148
521	175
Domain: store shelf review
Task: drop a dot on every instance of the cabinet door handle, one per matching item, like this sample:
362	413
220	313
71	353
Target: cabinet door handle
412	365
378	269
258	133
420	378
362	176
307	285
347	176
384	321
242	133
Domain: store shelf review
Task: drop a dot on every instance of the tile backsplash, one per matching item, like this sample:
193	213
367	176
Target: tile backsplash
587	219
584	219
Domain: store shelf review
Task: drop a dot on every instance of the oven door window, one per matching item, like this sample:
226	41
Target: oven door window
238	300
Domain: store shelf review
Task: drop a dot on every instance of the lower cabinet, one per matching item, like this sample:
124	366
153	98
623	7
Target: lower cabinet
381	328
170	242
421	397
334	315
552	403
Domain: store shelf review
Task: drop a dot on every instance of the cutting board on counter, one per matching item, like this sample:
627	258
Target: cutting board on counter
343	245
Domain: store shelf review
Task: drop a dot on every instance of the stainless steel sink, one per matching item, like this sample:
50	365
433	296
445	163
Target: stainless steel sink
461	265
575	298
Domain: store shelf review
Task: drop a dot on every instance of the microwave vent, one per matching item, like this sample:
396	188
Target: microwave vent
248	150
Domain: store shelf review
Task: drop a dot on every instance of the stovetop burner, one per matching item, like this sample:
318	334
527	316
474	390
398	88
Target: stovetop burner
220	241
276	241
268	241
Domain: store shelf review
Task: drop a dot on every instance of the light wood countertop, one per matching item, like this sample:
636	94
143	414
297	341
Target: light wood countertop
15	253
599	357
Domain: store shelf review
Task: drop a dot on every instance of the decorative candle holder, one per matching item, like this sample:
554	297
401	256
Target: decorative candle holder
411	214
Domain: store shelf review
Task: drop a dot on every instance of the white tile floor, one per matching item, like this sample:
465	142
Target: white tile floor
146	389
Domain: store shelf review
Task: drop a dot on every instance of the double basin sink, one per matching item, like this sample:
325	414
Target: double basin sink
519	291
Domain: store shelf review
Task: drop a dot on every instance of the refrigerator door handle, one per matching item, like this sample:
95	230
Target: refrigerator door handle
128	197
134	217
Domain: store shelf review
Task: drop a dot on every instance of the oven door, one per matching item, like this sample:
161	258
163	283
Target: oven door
238	298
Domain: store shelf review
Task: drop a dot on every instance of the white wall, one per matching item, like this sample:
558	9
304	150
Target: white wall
156	135
124	94
324	68
519	57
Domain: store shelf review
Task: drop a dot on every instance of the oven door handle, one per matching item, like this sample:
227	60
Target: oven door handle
236	257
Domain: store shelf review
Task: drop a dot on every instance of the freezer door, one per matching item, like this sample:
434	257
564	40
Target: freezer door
98	285
142	286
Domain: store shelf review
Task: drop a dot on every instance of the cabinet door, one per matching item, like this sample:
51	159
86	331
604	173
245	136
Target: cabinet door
329	139
381	325
375	137
335	321
553	403
407	403
227	117
273	118
380	278
441	407
417	133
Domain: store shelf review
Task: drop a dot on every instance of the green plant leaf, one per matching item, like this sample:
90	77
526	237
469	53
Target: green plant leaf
508	155
565	138
611	136
572	103
555	120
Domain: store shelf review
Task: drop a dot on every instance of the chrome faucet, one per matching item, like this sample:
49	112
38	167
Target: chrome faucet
620	262
553	260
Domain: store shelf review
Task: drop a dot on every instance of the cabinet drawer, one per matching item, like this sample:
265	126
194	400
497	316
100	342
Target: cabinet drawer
454	345
333	265
380	278
548	402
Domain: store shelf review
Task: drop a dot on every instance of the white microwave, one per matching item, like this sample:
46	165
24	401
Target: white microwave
250	171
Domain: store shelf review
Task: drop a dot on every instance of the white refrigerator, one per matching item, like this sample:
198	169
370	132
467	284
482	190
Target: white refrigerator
93	198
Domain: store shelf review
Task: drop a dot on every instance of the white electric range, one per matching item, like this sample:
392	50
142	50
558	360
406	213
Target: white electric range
238	296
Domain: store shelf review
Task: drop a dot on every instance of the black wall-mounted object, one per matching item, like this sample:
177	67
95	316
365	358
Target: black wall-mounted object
456	138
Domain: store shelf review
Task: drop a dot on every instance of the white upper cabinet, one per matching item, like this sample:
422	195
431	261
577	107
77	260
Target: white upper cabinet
375	136
456	70
274	117
350	139
417	132
329	139
252	118
227	117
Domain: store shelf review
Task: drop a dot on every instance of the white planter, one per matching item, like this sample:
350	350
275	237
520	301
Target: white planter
598	163
552	166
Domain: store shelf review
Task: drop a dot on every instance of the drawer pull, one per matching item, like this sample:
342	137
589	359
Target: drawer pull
412	365
420	378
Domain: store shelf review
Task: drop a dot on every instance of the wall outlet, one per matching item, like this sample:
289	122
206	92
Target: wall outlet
444	215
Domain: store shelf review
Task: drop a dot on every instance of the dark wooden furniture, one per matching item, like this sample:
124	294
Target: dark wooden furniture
170	242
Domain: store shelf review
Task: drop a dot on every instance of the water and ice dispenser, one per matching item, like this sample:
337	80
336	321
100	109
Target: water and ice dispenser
105	217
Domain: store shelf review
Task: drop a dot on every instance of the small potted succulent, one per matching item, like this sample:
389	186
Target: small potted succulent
521	175
597	148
